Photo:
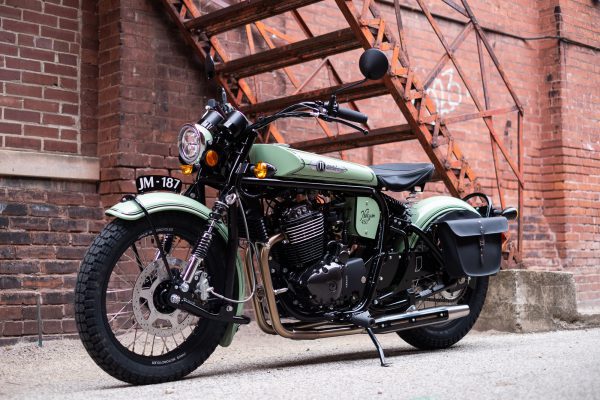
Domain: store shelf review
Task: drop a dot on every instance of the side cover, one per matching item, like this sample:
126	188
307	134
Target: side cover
297	164
160	202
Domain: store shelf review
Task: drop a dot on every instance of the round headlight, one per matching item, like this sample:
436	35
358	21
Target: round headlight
192	142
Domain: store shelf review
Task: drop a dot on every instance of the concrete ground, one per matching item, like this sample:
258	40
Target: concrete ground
555	365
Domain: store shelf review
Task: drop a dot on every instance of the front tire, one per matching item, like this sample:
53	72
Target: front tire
445	335
124	325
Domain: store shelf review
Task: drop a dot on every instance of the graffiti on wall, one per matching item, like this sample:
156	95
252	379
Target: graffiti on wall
447	91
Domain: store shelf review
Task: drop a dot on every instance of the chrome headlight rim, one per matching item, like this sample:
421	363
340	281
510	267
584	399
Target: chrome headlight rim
192	142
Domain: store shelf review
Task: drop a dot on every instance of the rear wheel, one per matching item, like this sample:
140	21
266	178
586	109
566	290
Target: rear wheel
123	318
445	335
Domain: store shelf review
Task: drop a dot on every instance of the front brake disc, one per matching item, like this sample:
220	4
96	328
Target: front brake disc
152	316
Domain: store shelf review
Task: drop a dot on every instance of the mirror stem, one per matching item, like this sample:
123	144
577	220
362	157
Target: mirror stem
344	88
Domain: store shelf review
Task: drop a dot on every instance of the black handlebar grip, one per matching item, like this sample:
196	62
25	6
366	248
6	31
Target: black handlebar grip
351	115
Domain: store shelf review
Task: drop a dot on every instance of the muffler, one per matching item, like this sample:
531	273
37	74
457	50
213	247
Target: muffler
414	319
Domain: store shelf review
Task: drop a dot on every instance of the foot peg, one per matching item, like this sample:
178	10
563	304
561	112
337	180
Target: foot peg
363	319
384	363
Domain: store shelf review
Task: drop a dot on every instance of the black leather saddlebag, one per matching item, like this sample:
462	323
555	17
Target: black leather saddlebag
472	247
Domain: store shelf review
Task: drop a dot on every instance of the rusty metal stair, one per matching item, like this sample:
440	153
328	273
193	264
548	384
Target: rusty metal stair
366	28
240	14
363	91
306	50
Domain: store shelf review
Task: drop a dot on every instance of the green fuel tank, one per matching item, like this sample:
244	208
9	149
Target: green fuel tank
296	164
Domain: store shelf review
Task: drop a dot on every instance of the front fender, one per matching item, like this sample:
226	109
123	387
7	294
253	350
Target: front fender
161	202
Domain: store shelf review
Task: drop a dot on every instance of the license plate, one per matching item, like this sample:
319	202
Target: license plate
150	183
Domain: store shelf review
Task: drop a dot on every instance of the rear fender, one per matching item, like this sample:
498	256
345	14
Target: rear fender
426	212
161	202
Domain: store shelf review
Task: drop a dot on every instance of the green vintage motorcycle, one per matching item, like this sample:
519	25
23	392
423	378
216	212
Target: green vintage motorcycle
312	241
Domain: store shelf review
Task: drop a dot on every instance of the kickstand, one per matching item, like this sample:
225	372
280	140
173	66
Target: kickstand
379	348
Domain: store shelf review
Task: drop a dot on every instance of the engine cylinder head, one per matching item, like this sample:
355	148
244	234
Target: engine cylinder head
305	233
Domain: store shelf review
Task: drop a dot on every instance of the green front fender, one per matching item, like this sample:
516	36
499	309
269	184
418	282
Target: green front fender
425	212
160	202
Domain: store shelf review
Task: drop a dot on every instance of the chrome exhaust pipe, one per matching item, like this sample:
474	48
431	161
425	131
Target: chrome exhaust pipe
415	319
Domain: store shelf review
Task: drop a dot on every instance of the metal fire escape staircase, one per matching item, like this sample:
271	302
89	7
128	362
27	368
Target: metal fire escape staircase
366	28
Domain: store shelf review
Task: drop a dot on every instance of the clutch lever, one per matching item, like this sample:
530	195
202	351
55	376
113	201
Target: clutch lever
343	122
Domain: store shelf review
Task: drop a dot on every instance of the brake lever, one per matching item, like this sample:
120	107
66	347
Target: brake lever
327	118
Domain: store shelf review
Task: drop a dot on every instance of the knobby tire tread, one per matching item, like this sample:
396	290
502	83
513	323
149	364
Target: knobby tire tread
101	348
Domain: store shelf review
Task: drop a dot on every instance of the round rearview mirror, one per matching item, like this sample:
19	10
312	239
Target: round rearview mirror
373	64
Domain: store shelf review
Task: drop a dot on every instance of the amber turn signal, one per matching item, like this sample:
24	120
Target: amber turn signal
187	169
212	158
263	170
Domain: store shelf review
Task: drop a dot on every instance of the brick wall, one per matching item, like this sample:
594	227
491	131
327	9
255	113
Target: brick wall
109	82
47	105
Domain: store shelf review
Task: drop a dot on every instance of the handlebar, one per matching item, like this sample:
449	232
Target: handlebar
323	110
335	110
351	115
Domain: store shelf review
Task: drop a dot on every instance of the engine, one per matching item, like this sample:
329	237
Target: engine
314	262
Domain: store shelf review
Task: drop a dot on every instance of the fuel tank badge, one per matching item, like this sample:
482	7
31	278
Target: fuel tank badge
322	166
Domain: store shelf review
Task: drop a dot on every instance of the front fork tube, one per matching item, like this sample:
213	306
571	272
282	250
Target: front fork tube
202	247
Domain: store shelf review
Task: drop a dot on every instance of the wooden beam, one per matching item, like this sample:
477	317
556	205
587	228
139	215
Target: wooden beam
296	53
362	91
397	133
243	13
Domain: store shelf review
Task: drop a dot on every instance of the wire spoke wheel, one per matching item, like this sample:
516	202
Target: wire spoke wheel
121	300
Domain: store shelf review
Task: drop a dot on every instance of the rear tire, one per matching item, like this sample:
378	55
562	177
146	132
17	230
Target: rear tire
445	335
112	275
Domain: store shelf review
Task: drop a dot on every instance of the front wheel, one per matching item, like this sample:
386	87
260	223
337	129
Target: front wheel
124	322
445	335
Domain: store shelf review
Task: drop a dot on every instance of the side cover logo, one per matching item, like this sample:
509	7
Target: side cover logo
366	216
322	166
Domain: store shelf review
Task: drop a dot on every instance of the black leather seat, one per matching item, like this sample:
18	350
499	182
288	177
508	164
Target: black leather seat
398	177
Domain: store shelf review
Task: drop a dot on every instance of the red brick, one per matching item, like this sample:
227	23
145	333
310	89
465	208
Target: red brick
9	75
42	131
7	37
40	79
17	63
12	102
23	90
38	18
10	313
68	24
10	12
21	115
60	11
61	95
12	328
35	5
40	105
20	27
14	129
60	69
43	43
53	119
60	34
25	40
69	134
36	54
8	49
21	142
15	267
68	59
60	146
71	109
